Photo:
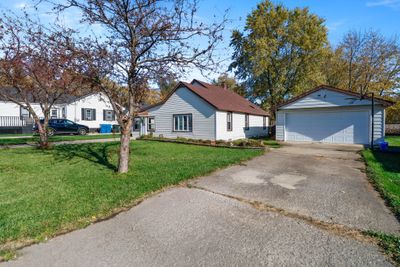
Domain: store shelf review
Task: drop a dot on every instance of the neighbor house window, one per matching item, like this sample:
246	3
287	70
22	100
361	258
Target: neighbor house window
246	122
229	121
108	115
24	113
88	114
183	123
53	114
265	122
64	112
136	124
151	124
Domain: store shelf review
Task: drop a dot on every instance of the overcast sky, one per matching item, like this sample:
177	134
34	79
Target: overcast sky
340	16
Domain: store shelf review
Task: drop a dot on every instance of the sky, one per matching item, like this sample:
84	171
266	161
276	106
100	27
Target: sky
340	17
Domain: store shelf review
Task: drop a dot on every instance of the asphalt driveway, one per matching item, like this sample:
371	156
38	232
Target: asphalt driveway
297	205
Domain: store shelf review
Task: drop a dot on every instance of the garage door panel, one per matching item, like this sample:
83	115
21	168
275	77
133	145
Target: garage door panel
346	127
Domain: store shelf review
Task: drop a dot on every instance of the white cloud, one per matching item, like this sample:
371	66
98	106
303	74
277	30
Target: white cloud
21	5
333	26
385	3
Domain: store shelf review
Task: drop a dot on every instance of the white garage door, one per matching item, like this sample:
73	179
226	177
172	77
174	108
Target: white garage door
340	127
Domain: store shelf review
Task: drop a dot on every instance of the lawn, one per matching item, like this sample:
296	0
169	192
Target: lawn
384	171
56	138
43	193
393	140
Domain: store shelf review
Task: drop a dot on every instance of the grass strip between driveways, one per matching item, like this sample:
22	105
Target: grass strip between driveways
56	138
383	169
45	193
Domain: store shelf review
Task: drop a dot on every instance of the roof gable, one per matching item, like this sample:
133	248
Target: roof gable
218	97
327	96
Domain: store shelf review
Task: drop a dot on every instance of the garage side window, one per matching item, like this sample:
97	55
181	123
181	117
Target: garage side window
229	121
88	114
183	122
246	122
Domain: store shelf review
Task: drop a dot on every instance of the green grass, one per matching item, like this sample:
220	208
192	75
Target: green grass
384	171
272	143
56	138
393	140
389	243
43	193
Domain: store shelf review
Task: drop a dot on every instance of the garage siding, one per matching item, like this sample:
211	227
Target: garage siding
280	126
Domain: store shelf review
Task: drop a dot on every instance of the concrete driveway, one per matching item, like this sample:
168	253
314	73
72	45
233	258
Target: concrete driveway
298	205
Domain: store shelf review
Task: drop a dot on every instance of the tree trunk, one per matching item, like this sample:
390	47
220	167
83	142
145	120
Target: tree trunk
44	139
124	151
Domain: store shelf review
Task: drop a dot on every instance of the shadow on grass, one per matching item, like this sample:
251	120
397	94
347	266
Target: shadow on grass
390	159
99	153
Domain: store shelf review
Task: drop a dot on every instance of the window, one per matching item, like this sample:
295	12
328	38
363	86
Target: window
64	112
54	114
136	124
151	124
88	114
24	113
108	115
183	123
68	122
265	122
229	121
246	122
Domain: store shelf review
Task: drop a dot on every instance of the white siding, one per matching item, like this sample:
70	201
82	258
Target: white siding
326	98
183	101
96	101
238	126
12	109
280	126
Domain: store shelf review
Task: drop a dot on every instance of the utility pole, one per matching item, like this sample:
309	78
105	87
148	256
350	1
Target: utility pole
372	120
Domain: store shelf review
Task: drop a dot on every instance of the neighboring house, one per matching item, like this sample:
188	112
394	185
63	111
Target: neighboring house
90	110
331	115
199	110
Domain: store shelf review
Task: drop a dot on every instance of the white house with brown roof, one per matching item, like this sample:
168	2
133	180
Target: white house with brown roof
331	115
200	110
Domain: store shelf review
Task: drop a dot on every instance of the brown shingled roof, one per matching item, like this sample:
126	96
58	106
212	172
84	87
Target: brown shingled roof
218	97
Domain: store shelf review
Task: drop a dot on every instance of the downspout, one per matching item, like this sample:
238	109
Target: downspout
372	120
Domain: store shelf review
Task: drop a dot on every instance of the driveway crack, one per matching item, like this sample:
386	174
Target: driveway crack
334	228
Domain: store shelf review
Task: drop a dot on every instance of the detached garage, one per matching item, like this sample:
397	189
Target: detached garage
331	115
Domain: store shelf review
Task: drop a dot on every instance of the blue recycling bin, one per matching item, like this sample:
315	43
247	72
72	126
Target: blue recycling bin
383	146
105	128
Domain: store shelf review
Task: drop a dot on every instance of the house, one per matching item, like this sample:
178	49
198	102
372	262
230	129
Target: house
330	115
200	110
90	110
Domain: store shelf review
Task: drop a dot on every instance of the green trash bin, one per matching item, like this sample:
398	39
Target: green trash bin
116	128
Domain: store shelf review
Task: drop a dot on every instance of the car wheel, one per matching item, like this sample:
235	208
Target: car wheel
82	131
50	132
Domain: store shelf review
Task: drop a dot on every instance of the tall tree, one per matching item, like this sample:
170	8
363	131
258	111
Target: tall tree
166	83
369	62
141	39
224	80
36	67
279	52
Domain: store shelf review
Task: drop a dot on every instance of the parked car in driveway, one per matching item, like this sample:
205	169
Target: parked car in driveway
64	126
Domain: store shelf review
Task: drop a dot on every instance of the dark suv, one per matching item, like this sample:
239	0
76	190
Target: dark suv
64	126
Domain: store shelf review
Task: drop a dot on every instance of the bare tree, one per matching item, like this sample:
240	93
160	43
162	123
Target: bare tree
372	62
35	67
141	39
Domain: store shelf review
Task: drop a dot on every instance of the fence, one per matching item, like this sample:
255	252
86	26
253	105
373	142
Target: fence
12	121
392	129
15	125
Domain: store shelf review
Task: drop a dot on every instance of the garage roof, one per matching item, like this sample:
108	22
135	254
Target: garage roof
379	100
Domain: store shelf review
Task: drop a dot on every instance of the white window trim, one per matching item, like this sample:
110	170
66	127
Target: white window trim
186	126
